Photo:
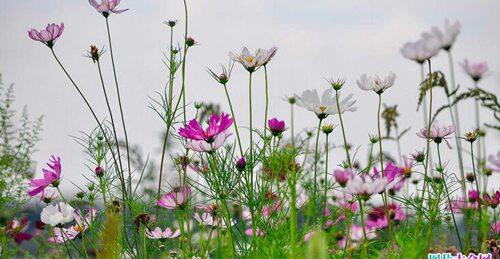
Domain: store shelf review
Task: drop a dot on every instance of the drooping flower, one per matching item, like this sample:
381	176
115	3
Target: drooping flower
366	186
437	132
17	229
448	36
376	83
58	214
475	70
377	217
47	36
48	195
175	199
325	106
251	62
266	55
418	51
213	137
276	126
495	162
51	176
157	233
342	176
491	201
107	6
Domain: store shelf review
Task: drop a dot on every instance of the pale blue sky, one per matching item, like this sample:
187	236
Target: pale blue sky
316	39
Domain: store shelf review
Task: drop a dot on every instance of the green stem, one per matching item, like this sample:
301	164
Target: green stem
343	131
480	229
316	158
234	121
267	105
292	125
120	106
363	243
429	123
293	212
325	180
449	199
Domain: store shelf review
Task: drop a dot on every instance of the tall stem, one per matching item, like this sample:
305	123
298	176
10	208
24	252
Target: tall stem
326	179
478	146
449	199
316	156
343	131
384	195
429	123
362	217
267	104
250	167
234	120
184	63
292	125
293	212
480	229
120	106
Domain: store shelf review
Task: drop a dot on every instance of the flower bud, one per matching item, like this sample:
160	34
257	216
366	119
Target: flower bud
241	164
171	23
190	42
327	128
80	195
470	177
99	171
471	136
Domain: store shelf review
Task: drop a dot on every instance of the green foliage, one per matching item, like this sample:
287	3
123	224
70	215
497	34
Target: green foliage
18	137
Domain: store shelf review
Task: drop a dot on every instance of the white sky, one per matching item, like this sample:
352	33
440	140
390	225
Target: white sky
316	40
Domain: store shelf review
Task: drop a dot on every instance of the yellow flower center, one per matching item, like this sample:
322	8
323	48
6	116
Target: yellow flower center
322	108
249	59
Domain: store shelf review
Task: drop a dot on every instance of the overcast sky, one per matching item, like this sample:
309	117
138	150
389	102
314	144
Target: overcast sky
316	40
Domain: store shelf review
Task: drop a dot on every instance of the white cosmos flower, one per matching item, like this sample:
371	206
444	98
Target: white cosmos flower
266	55
251	62
58	214
448	36
432	43
366	186
327	105
376	83
417	51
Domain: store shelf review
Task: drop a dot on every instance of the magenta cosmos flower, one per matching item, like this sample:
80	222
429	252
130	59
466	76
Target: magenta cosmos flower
213	137
437	132
157	233
378	219
176	198
51	176
492	201
107	6
48	35
276	126
475	70
342	176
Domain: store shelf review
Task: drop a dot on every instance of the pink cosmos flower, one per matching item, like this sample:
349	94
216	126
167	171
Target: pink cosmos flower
495	162
366	186
48	35
391	171
475	70
258	232
496	227
50	176
461	205
342	176
107	6
175	199
378	219
356	234
492	201
473	196
437	133
211	138
17	230
309	235
210	219
62	235
157	233
276	126
418	51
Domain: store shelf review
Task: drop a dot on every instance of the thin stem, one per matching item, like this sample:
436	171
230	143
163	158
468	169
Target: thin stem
293	212
250	157
429	122
234	120
363	243
316	158
267	102
449	199
325	180
343	131
480	229
120	106
184	62
292	130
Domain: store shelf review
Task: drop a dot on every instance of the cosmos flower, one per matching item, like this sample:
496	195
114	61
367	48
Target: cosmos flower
473	196
17	229
378	219
475	70
107	6
431	43
417	51
266	55
211	219
448	36
157	233
58	214
48	195
491	201
176	198
62	235
437	132
251	62
376	83
51	176
342	176
366	186
276	126
213	137
47	36
258	232
461	205
325	106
